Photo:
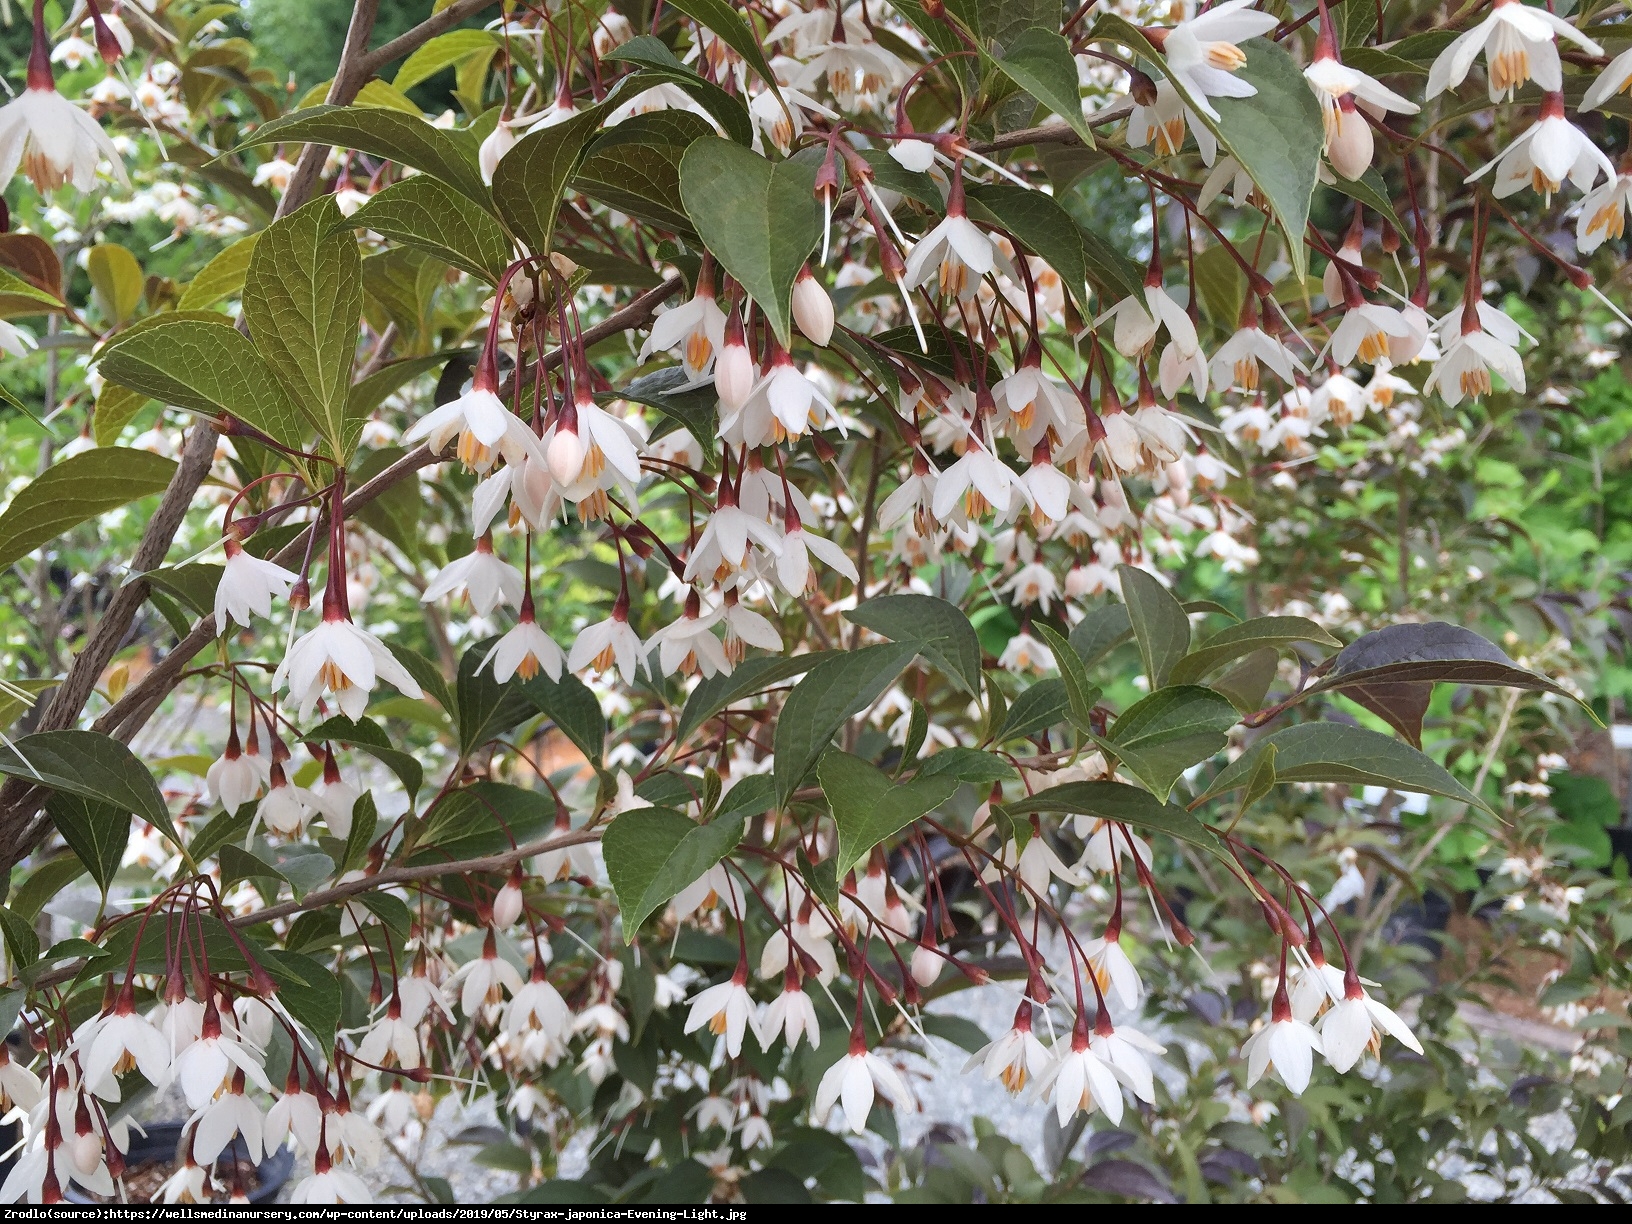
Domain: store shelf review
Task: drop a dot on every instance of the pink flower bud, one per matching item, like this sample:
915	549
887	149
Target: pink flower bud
812	309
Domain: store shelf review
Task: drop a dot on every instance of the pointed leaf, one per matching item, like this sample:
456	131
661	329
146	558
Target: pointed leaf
77	489
635	167
747	678
116	279
1040	224
1248	681
946	638
426	213
92	766
21	297
1264	632
1122	803
1045	704
1041	63
97	832
369	736
441	52
209	368
832	693
1336	752
1435	651
658	64
868	808
574	709
652	853
760	221
1166	733
1100	632
307	989
1402	704
1078	691
303	298
1158	620
529	181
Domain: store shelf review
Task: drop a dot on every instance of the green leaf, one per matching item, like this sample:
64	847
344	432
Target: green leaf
1221	287
748	677
574	709
78	489
12	701
307	989
193	584
1248	681
1100	632
1078	691
221	278
426	674
1432	651
238	864
116	407
303	298
1045	704
733	31
365	818
1158	620
529	181
224	829
487	709
1264	632
821	878
481	819
868	808
761	221
1164	734
1372	191
658	63
1039	222
1124	804
426	213
443	51
405	139
1335	752
45	882
1276	135
1040	62
966	765
92	766
944	635
917	732
1262	780
652	853
116	280
20	297
369	393
635	167
97	832
369	736
694	409
209	368
22	944
833	692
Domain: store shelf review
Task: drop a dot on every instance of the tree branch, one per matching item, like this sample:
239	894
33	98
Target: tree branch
426	30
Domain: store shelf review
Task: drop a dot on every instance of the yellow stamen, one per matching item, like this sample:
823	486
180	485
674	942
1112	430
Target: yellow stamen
1373	345
1476	382
954	275
1170	136
975	504
1509	69
333	678
698	348
528	667
606	660
1014	1076
1246	373
1225	56
1611	219
472	453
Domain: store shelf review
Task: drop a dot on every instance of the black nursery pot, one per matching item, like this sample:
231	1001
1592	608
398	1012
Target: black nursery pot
163	1139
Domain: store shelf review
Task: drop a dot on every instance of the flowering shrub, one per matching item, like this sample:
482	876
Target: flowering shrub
826	524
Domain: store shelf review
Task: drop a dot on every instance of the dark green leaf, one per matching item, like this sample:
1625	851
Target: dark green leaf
97	832
748	677
573	708
487	709
1040	62
482	819
944	635
653	853
635	167
1335	752
369	736
868	808
1078	691
529	181
192	584
1372	191
426	213
694	409
733	31
761	221
364	818
426	675
22	944
833	692
1161	736
1100	632
303	299
77	489
1248	681
308	990
1043	705
1040	224
1124	804
92	766
1158	620
658	63
45	882
1227	645
369	393
966	765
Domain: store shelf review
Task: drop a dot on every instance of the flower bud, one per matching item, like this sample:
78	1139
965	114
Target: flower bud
566	456
499	142
1349	146
734	370
926	966
87	1152
812	309
507	904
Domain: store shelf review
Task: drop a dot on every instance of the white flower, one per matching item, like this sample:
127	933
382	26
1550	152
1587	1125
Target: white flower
1163	119
285	809
498	142
331	1185
1356	1022
341	658
1114	971
1603	213
1235	364
852	1081
483	982
53	141
205	1066
812	309
296	1113
1611	81
393	1041
248	585
1366	332
792	1013
1485	345
19	1087
1332	79
593	439
695	331
232	1113
958	250
1124	1049
1015	1058
485	579
486	429
123	1040
1025	653
727	1011
976	484
1547	153
1227	174
1203	55
1081	1080
524	651
539	1007
782	404
15	340
1285	1046
233	779
607	644
915	155
1518	42
793	569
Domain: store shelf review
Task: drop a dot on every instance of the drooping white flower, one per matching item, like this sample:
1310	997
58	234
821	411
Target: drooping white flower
1124	1049
124	1040
694	331
524	650
52	140
726	1010
1025	653
248	585
791	1014
330	1184
20	1087
1202	52
234	779
1080	1080
538	1007
1236	362
688	645
204	1068
483	982
486	580
1015	1058
1285	1046
812	309
782	404
1357	1022
1603	213
392	1041
855	1080
608	644
1160	116
497	143
485	428
16	341
977	484
340	657
1546	154
1485	345
1113	970
1366	331
957	250
232	1113
1519	46
1615	78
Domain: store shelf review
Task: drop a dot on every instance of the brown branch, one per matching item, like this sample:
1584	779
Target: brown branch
426	30
1054	133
